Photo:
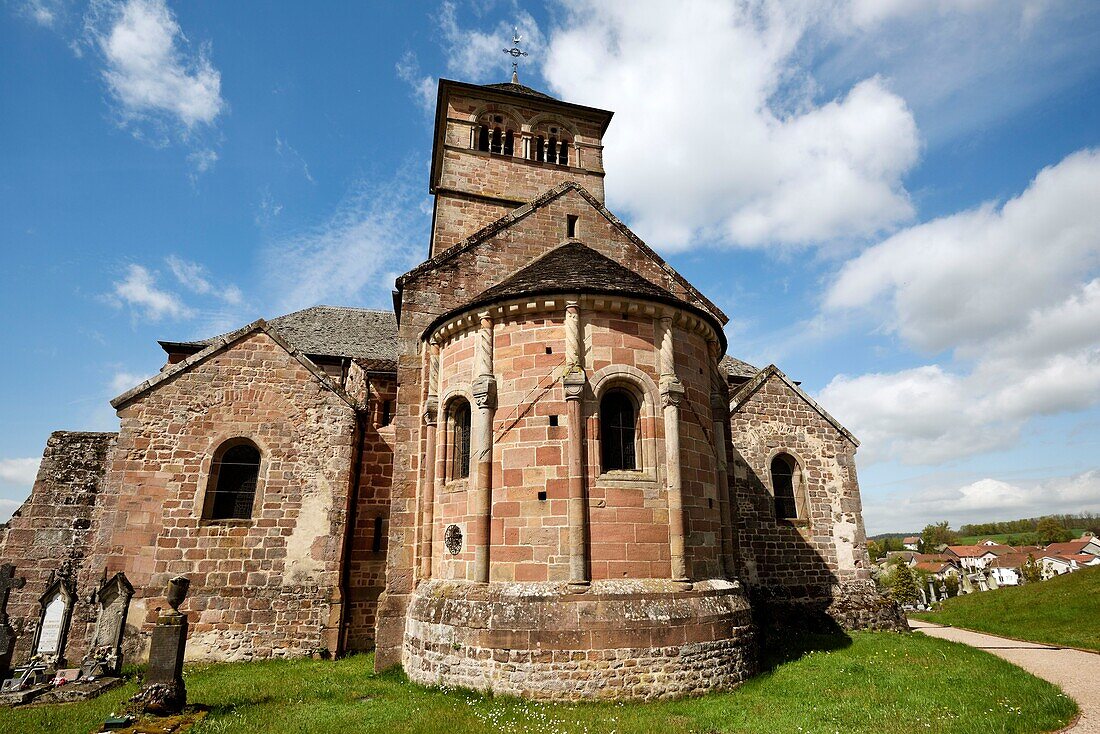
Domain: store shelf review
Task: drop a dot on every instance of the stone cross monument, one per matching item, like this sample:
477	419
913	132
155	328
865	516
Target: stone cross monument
8	581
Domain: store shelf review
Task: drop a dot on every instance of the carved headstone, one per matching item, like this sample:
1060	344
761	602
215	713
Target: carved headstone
105	655
164	692
53	621
8	581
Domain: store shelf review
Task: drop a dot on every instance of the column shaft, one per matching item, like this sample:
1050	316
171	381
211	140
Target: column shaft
672	391
574	382
485	395
427	495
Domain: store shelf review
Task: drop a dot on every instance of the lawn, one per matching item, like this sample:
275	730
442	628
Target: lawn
1003	538
872	682
1061	611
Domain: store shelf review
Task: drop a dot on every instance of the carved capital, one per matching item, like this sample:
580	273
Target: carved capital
574	381
431	410
485	391
672	391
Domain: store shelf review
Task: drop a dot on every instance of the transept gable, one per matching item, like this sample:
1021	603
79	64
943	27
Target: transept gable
741	397
223	343
662	273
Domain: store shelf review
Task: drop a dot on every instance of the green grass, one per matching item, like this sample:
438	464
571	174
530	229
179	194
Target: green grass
1061	611
1003	538
872	682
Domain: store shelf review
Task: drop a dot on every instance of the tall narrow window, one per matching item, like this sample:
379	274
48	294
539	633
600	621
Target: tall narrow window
552	150
233	472
460	440
509	143
783	477
540	149
563	152
494	146
571	225
618	429
483	138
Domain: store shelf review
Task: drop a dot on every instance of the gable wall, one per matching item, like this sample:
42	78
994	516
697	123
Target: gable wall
803	559
268	586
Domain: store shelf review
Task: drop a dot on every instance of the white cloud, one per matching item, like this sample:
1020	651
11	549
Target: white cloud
985	500
478	56
140	291
285	149
1011	291
150	70
43	12
7	507
378	232
195	278
422	86
760	162
19	471
123	381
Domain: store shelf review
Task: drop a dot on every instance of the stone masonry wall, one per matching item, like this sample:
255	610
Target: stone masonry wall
366	574
619	641
430	294
823	553
267	586
54	526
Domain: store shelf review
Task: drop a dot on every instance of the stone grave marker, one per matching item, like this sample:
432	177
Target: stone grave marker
105	656
8	581
53	623
164	693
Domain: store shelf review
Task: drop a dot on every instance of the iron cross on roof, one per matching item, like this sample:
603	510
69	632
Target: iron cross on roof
515	53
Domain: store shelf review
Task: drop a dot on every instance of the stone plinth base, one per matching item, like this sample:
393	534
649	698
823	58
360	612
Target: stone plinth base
621	640
854	605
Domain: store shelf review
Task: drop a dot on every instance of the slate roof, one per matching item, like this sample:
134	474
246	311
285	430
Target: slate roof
578	268
736	368
515	88
333	331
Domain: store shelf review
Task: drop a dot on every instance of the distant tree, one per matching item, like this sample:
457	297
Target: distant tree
938	534
874	550
951	583
1052	531
1031	571
904	587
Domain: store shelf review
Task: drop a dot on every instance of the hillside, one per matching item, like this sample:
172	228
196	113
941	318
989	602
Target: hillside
1062	611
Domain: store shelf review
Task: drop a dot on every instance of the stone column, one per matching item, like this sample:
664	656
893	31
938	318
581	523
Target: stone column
427	489
574	381
672	391
485	396
719	409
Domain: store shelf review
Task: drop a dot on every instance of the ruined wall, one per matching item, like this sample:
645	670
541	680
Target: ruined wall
366	572
266	586
820	557
54	528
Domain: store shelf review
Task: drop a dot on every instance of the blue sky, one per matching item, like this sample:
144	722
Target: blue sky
895	201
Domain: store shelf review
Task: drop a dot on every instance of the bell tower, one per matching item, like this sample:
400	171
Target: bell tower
498	146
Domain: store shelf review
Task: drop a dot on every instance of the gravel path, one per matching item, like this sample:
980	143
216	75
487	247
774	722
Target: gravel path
1074	671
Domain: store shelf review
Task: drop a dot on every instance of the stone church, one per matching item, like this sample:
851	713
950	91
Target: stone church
540	474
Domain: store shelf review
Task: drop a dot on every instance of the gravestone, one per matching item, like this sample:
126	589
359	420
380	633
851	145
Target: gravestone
8	581
53	621
164	693
105	656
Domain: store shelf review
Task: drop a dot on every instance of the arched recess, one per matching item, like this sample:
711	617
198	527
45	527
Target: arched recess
786	482
233	486
455	447
640	388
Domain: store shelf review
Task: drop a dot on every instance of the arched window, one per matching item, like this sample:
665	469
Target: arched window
509	143
563	152
233	476
459	458
483	138
618	430
495	144
785	475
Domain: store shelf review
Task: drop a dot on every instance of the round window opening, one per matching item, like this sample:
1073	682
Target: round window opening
452	539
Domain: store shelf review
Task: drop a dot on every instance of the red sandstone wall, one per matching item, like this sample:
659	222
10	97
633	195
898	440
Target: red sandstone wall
366	574
804	558
53	527
268	586
426	296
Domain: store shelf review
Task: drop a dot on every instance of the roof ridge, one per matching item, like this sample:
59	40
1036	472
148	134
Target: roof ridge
541	200
741	396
